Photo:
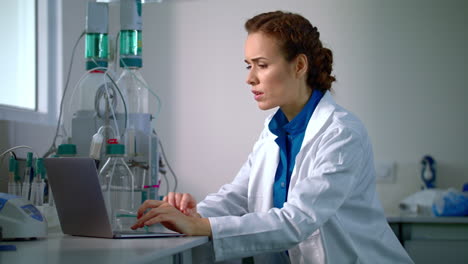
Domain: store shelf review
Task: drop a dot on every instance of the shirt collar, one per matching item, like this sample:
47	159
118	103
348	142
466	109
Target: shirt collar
279	123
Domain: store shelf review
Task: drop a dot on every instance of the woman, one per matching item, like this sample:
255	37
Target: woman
307	193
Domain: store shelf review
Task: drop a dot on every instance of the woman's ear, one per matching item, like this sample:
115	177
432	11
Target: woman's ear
302	65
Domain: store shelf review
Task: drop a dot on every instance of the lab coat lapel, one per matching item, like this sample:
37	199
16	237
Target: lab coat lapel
263	175
317	121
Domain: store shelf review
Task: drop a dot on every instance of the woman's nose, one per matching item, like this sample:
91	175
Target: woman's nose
251	78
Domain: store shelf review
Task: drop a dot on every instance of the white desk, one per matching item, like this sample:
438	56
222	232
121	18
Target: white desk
59	248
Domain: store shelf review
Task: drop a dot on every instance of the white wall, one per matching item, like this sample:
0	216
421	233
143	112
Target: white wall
401	67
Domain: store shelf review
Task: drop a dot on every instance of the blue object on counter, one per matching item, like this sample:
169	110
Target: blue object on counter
465	187
451	203
7	248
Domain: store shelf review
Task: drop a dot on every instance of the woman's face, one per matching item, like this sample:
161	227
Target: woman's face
271	77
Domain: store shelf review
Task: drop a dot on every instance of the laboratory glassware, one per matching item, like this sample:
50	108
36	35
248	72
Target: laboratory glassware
38	185
118	188
13	177
28	177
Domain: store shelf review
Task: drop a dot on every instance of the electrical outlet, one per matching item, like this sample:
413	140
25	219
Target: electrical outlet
385	171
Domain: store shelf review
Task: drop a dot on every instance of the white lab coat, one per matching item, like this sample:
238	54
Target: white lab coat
332	213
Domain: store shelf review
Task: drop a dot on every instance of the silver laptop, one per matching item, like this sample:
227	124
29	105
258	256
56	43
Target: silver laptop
80	204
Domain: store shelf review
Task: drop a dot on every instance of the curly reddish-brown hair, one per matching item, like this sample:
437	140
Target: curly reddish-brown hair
296	35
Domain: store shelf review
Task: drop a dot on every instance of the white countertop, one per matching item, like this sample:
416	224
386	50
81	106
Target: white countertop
60	248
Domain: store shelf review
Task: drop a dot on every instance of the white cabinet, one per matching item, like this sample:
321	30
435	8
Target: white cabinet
433	239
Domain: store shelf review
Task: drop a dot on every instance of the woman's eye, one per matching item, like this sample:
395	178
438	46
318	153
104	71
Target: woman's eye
248	67
262	66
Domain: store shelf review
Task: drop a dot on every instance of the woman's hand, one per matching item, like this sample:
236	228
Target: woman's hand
184	202
152	212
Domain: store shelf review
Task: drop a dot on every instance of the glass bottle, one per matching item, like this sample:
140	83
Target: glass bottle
96	53
12	177
95	91
136	98
38	185
138	132
17	178
118	188
140	144
28	177
133	86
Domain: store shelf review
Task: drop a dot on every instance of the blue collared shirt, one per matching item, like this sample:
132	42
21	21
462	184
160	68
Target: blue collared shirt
289	139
